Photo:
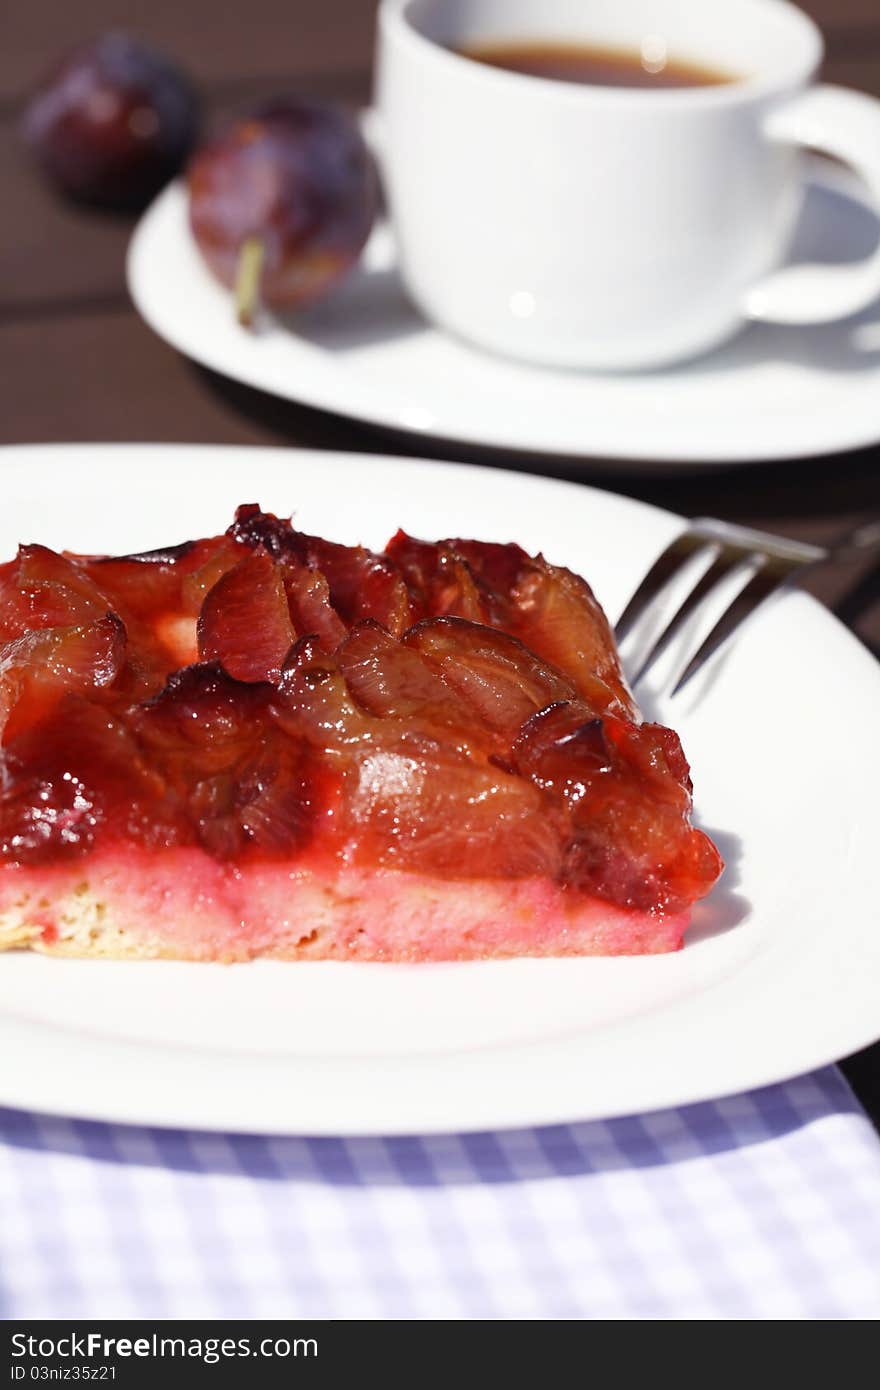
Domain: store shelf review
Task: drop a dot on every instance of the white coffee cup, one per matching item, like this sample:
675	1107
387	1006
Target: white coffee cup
612	227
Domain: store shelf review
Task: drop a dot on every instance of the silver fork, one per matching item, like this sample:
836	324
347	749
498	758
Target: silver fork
774	561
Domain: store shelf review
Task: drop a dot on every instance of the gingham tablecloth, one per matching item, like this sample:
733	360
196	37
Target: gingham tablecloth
764	1205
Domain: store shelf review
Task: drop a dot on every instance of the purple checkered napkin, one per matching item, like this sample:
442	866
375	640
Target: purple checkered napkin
764	1205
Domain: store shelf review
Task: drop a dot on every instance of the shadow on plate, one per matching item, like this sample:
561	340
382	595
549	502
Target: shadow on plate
372	306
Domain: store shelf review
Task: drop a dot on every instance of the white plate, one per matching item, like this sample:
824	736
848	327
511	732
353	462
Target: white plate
771	393
781	971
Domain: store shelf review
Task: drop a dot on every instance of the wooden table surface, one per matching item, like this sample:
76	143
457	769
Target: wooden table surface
78	364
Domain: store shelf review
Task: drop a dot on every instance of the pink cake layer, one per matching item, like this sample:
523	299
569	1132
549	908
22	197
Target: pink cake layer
182	903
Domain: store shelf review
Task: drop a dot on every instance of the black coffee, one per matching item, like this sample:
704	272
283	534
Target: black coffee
597	67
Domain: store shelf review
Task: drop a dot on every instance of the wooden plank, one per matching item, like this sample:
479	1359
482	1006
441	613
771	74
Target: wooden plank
272	39
854	69
837	16
215	42
52	251
106	376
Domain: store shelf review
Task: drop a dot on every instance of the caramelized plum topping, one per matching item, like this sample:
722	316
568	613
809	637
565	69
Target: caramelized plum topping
161	555
36	670
40	588
243	785
26	608
496	566
245	623
202	720
141	587
557	614
551	610
629	839
492	736
428	807
415	794
360	584
262	531
207	563
393	679
79	778
442	582
501	679
267	804
308	598
314	702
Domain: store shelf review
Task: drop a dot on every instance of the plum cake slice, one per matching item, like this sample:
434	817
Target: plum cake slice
269	744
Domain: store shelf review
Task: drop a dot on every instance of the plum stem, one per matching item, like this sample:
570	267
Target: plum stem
247	279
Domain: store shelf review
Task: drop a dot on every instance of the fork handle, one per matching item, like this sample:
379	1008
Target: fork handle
864	540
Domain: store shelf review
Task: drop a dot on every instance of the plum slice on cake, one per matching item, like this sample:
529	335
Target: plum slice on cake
268	744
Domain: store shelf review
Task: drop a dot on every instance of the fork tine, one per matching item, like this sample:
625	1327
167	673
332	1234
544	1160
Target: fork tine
727	560
661	572
762	584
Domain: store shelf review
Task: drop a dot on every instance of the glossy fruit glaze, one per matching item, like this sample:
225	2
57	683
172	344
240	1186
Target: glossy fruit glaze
453	709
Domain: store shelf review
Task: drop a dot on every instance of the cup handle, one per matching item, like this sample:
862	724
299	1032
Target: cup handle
845	124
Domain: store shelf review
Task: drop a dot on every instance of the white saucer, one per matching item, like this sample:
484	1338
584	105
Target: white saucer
772	393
